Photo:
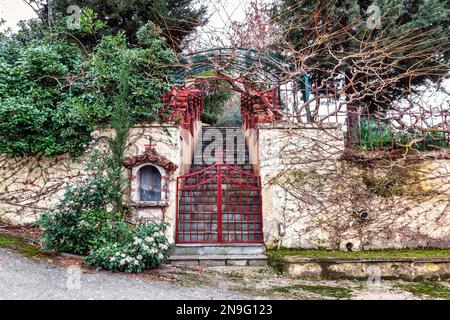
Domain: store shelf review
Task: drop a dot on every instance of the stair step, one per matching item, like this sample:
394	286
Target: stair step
216	256
235	147
247	168
218	249
213	221
219	260
210	199
186	216
226	181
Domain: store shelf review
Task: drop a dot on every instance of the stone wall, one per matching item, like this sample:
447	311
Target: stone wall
32	185
314	196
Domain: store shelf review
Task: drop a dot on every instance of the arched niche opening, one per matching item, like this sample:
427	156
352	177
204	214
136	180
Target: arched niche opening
149	184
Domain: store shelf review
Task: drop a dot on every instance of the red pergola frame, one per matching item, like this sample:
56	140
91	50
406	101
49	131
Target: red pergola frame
185	104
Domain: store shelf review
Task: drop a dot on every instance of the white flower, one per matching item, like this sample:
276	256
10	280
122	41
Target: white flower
139	257
149	239
117	253
123	255
122	262
163	246
136	262
112	259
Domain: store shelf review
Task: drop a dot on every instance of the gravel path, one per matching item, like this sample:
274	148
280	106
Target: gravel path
22	278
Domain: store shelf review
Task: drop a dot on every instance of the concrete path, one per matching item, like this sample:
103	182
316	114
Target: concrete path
22	278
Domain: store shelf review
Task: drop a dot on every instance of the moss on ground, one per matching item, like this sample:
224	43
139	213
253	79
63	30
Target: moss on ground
428	289
275	254
21	246
327	291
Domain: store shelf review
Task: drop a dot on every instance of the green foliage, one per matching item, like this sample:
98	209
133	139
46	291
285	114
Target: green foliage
215	100
376	134
81	220
78	232
120	122
21	246
215	105
83	224
31	91
147	66
365	254
176	18
90	24
21	126
53	94
423	22
426	288
231	117
147	248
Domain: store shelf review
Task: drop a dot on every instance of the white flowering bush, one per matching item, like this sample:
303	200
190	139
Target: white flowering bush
147	248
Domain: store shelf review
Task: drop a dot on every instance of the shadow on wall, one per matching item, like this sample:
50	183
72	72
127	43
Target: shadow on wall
325	201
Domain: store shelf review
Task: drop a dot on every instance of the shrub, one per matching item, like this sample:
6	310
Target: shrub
81	220
81	224
53	93
81	231
376	134
147	248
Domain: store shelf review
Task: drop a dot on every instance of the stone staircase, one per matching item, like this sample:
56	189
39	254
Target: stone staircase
219	255
198	219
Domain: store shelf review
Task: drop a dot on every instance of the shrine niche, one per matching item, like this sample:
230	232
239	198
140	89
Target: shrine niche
149	183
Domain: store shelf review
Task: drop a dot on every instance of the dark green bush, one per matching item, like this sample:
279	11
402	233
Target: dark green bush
53	93
79	232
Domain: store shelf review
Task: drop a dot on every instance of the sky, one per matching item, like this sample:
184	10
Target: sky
13	11
220	12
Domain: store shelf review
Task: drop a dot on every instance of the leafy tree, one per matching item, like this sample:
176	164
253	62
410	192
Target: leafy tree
215	105
215	100
53	93
413	32
37	113
176	18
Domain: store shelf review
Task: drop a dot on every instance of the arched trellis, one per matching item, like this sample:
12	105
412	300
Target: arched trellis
246	71
255	65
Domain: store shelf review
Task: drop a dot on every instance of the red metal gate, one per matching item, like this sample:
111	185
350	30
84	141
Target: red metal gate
219	204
